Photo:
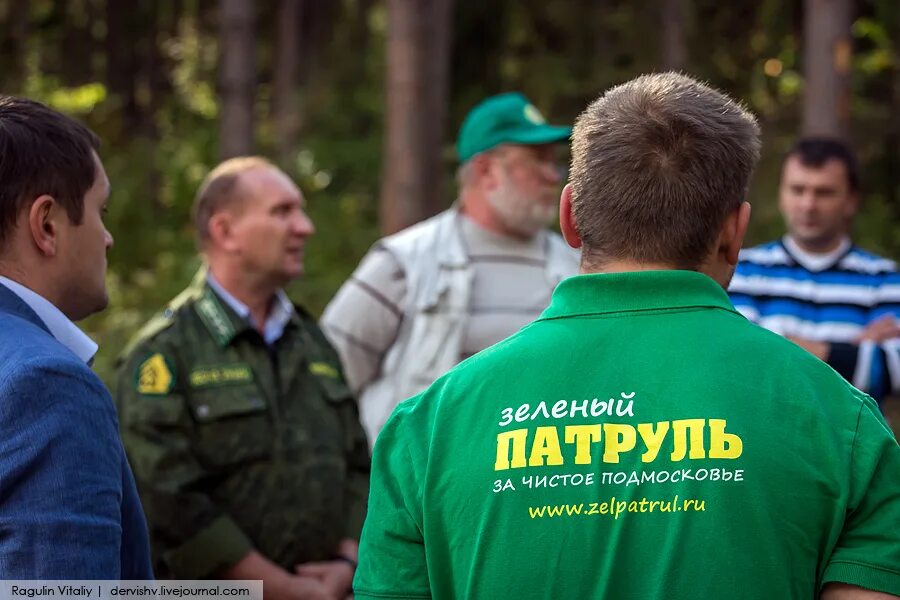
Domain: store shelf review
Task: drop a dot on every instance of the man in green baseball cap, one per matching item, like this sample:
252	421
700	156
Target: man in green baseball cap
429	296
506	119
508	173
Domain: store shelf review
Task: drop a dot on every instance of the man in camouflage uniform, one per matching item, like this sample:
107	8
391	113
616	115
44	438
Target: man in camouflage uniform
243	435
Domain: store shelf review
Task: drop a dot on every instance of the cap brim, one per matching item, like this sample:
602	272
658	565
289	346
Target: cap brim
540	134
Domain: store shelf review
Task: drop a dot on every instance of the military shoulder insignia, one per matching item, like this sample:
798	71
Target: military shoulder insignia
322	368
154	376
154	326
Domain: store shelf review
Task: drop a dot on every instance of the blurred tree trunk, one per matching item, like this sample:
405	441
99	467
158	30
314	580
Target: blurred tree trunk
77	46
418	54
154	86
285	97
121	61
363	33
317	21
827	53
303	35
15	43
674	44
173	11
237	76
892	139
598	42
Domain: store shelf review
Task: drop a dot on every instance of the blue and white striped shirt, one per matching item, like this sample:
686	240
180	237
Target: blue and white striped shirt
832	301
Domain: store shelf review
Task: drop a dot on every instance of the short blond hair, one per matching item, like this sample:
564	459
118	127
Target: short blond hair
219	190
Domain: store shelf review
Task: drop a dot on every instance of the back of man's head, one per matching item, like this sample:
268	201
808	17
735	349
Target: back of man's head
816	151
658	163
42	152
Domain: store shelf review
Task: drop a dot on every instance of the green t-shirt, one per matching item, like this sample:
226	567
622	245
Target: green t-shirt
640	440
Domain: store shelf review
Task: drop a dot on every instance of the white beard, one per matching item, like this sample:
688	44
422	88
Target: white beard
520	212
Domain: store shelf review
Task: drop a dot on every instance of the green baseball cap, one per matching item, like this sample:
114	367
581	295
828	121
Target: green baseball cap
505	119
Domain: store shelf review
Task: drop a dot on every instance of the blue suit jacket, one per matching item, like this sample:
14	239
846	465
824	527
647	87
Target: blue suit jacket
68	504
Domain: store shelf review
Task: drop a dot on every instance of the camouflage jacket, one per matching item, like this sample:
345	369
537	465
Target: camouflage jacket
236	445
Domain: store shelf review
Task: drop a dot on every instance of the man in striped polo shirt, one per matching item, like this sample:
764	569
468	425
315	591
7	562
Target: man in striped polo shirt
816	287
434	294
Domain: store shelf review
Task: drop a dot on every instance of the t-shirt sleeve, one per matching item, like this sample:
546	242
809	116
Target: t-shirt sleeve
363	318
868	549
392	550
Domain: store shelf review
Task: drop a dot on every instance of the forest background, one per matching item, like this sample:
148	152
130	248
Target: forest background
360	101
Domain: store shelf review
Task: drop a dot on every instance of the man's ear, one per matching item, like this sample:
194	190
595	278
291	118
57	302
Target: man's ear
44	224
732	238
221	229
483	169
567	219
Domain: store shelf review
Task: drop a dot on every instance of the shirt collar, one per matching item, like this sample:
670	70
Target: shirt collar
279	316
813	261
64	330
603	293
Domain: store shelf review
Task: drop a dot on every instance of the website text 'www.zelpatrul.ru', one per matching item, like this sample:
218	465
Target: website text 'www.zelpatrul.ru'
613	508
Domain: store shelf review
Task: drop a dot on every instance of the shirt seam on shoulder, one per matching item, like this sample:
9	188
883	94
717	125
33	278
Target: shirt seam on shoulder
380	247
162	336
859	414
419	485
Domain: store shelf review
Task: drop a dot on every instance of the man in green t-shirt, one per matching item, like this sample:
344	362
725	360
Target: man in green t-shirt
641	439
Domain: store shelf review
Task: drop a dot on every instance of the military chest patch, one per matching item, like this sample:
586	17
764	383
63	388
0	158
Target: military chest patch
321	368
220	375
154	376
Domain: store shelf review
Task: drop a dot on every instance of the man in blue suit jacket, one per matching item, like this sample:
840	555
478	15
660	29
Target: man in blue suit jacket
68	504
